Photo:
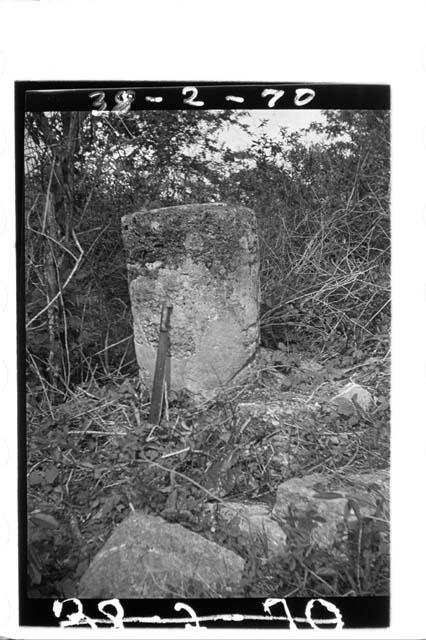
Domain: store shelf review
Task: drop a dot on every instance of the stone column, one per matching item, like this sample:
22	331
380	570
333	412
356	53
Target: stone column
203	258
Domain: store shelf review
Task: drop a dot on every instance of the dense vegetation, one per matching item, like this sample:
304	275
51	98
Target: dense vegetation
322	201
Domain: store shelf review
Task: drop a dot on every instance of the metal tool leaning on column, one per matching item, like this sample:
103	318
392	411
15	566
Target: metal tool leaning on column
161	383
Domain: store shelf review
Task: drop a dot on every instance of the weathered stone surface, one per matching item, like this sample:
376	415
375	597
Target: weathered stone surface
252	523
204	259
147	557
357	393
319	503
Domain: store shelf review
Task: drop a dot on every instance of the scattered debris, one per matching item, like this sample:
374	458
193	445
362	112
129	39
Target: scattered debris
284	481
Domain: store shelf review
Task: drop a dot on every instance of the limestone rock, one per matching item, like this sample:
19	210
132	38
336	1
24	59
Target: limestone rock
147	557
358	393
252	523
320	505
204	260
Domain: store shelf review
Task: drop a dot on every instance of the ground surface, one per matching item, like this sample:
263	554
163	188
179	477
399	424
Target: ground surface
93	459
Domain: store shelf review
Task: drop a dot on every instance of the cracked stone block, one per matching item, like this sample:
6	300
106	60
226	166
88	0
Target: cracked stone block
324	505
147	557
204	259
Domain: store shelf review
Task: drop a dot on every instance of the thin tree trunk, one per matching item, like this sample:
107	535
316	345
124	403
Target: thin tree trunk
52	286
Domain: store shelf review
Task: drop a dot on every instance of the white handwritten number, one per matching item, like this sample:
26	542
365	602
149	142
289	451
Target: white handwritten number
117	619
309	94
179	606
338	620
74	619
276	95
123	100
191	100
270	602
99	103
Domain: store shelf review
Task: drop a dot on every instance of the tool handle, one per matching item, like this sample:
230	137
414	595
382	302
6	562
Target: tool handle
162	365
166	312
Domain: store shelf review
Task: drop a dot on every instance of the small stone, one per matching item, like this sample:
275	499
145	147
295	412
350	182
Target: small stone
357	393
343	406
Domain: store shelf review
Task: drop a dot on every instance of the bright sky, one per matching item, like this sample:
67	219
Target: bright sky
294	119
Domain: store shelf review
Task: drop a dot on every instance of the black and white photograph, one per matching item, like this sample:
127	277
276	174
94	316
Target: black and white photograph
207	348
212	312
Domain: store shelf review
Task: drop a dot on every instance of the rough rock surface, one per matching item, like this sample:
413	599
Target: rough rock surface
321	505
147	557
204	260
251	523
357	393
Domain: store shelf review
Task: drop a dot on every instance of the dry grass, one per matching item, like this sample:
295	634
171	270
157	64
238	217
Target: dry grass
94	458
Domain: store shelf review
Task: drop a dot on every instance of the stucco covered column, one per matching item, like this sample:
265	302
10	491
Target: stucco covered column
204	259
